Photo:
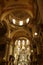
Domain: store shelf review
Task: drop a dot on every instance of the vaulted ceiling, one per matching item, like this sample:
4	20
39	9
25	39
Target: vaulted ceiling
21	10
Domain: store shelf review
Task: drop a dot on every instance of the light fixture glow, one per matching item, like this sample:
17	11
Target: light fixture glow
23	47
23	42
14	21
35	33
18	49
27	42
16	42
15	56
19	42
20	23
32	51
28	48
27	20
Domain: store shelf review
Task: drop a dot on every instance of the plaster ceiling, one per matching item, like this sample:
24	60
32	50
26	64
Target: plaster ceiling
7	6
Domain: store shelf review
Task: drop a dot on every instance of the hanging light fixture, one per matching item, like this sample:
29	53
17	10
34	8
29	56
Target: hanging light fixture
35	33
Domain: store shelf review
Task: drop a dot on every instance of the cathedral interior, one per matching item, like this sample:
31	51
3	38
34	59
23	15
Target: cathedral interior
21	32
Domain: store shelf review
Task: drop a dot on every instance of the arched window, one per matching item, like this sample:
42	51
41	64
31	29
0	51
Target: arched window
21	51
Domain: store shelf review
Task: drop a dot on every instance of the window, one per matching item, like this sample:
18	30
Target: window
21	51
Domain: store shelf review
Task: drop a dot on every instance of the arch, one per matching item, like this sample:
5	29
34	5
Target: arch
21	33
